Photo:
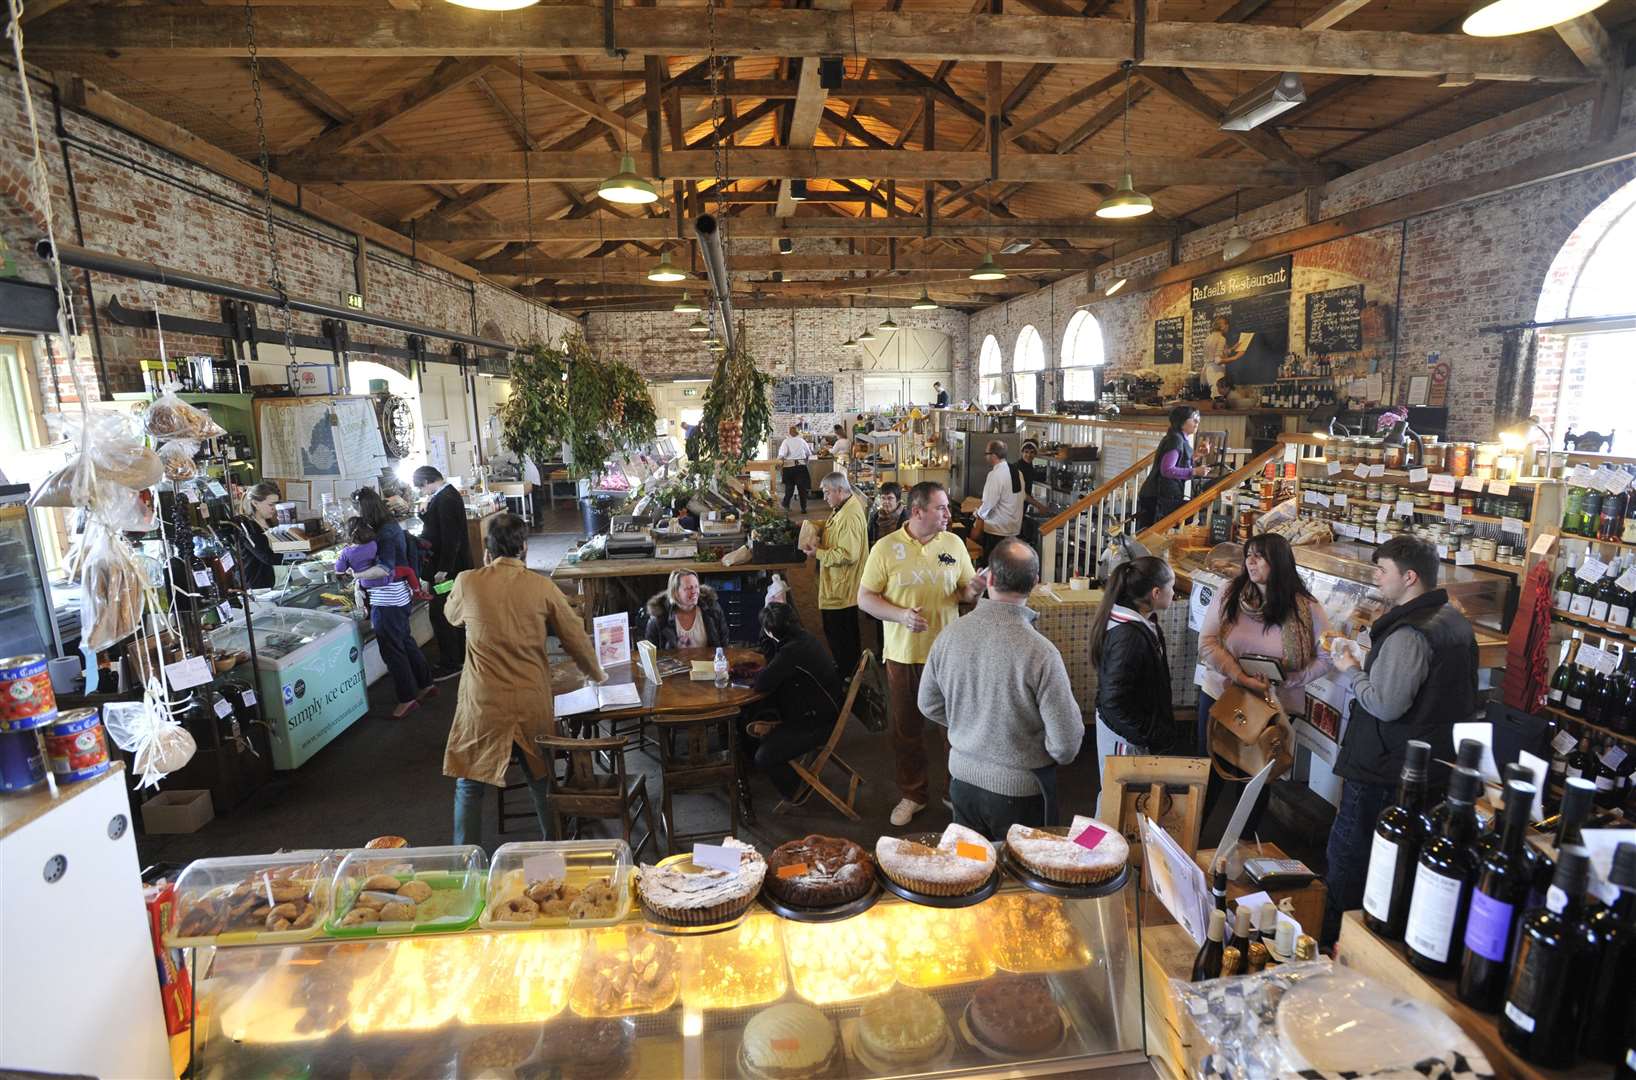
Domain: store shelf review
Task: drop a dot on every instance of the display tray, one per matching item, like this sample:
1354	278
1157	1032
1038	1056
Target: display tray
971	899
233	900
441	888
576	863
1016	869
797	913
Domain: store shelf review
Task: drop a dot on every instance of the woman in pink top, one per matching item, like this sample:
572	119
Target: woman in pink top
1264	611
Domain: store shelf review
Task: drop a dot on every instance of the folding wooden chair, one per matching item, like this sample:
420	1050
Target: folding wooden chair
868	674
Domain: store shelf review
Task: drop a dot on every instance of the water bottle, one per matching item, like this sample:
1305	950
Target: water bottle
721	668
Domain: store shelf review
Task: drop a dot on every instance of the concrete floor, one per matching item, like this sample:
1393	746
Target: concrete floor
385	776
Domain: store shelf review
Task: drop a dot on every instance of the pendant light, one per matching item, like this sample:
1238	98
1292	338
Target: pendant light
1126	201
1500	18
494	5
850	342
698	326
1236	244
925	303
987	270
867	335
665	271
627	186
686	306
888	326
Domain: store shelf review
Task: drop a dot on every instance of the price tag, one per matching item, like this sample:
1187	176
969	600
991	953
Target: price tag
1582	476
1090	837
188	495
224	708
1418	476
1377	471
1542	543
225	610
1442	551
716	857
1368	536
1618	481
1314	497
1590	657
1333	468
1564	743
1471	483
1464	558
203	579
1452	512
1403	508
227	563
1513	525
546	866
794	869
186	674
1602	477
1613	756
1361	472
974	852
1499	487
248	699
1442	482
1592	569
1627	580
1339	500
1343	529
1382	513
1606	664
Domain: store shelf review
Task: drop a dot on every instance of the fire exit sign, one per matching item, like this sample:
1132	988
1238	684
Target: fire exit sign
353	300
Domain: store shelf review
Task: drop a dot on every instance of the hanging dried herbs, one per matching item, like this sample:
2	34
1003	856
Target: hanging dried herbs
737	418
568	396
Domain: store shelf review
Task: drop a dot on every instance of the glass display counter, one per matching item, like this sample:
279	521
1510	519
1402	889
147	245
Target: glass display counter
890	992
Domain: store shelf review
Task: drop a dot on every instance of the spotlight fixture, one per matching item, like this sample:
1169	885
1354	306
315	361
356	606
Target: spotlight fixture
1499	18
887	326
626	186
831	72
867	335
786	245
686	306
665	271
1126	201
987	270
1115	286
494	5
698	326
1272	98
925	303
798	191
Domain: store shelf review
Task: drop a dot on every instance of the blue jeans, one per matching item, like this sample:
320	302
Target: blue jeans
468	803
399	652
1348	852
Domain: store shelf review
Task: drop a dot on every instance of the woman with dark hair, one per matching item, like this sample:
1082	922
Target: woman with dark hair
1266	611
389	601
1165	488
254	550
1134	711
890	512
805	695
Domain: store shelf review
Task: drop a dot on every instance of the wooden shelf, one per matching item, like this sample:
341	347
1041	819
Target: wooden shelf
1562	538
1628	633
1552	710
1347	467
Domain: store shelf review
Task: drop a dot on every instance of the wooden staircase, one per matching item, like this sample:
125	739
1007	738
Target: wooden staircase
1071	542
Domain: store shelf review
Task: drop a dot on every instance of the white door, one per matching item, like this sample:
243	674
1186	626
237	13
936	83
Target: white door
447	417
882	392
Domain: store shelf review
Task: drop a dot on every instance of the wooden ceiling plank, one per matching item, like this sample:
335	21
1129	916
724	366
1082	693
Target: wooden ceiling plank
1078	97
1332	13
809	109
449	75
571	229
799	264
616	122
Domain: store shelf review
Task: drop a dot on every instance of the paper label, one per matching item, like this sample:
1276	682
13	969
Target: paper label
1499	487
1590	657
1581	476
1361	472
1382	513
1090	836
185	674
1542	543
1333	468
1513	525
1316	498
1452	512
1442	551
1592	569
202	579
1613	757
1403	508
1564	742
1377	886
1442	482
1368	536
1342	529
1377	471
1464	558
1618	481
1470	483
248	698
227	563
225	611
1339	500
1627	580
1488	926
1418	476
716	857
974	852
1602	478
216	489
1432	913
223	708
795	869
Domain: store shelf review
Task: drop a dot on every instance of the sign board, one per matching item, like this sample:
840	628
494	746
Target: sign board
1169	339
804	394
1255	301
1335	320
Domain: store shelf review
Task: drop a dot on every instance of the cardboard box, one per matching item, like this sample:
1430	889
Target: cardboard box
177	812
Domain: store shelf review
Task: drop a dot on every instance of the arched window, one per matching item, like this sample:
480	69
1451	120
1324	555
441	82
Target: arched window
1026	363
1081	353
990	363
1582	371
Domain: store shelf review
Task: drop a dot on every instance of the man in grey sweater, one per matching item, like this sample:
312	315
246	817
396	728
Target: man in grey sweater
1001	689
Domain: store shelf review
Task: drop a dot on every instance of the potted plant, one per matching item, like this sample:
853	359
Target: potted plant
568	400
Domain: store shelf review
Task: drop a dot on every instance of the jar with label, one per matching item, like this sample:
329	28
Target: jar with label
1458	461
1375	454
1393	457
1433	456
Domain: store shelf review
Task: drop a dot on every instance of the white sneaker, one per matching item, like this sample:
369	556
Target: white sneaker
904	810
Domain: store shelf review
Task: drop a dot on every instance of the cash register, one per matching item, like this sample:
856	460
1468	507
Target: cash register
671	541
629	537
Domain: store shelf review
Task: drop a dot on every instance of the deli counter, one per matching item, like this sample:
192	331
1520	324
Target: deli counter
633	1000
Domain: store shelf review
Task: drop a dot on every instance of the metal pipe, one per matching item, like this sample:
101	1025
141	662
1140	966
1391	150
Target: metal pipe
715	265
104	263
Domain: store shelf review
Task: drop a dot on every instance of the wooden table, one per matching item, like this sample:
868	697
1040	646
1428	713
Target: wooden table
676	696
596	576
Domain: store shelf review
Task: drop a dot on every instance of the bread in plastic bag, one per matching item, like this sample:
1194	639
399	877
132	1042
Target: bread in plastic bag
112	588
143	728
177	457
169	417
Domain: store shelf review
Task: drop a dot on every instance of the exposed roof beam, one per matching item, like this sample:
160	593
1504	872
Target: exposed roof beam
1077	98
790	88
579	231
809	108
1332	13
798	264
449	75
556	30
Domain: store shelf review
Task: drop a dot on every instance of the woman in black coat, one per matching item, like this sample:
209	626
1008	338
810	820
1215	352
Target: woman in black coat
686	615
254	550
804	697
1165	488
1134	711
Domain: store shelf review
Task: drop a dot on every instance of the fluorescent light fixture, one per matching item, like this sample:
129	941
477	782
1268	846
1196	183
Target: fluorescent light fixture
867	335
925	303
786	245
987	270
626	186
698	326
1125	202
887	326
1272	98
665	271
798	191
1115	286
494	5
686	306
1499	18
1016	247
1235	246
850	342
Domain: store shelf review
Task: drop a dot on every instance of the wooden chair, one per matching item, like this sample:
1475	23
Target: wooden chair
811	770
500	801
586	792
688	763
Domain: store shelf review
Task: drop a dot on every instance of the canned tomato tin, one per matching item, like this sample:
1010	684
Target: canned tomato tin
22	766
76	746
26	700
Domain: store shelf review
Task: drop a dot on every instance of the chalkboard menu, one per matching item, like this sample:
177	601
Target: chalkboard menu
1168	343
1255	301
1335	320
804	394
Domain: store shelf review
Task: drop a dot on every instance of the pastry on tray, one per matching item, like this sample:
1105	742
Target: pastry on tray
819	872
903	1028
791	1041
1061	858
684	892
960	862
1015	1016
588	1049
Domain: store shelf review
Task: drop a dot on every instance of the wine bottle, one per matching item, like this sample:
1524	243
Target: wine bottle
1574	699
1562	678
1590	512
1218	888
1545	997
1577	798
1623	600
1610	936
1468	755
1399	833
1503	881
1580	762
1494	833
1443	880
1584	590
1628	529
1610	524
1606	762
1602	595
1572	506
1207	964
1563	592
1241	932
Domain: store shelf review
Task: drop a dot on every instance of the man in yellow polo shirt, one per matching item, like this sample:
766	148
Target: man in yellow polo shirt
914	582
840	550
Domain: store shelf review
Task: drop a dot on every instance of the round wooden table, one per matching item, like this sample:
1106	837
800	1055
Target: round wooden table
677	695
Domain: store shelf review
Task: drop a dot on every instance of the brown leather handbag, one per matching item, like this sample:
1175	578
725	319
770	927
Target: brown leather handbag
1247	731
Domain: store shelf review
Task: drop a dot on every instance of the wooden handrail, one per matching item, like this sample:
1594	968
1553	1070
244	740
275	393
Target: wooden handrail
1096	496
1203	498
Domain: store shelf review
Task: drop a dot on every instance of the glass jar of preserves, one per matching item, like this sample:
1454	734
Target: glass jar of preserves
1433	455
1393	457
1458	461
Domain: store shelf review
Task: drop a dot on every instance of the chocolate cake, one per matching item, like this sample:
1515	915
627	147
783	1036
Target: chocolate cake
818	872
1015	1016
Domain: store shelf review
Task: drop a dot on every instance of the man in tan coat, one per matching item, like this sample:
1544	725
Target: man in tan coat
505	692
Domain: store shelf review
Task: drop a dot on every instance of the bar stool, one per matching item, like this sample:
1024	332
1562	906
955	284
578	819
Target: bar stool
687	763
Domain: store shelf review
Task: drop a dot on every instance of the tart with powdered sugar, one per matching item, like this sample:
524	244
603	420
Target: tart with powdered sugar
1054	854
959	863
819	872
681	891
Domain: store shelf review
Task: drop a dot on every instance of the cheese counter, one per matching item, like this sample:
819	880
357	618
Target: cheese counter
884	993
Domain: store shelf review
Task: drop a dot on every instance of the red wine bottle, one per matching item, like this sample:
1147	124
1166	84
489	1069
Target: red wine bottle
1503	881
1399	832
1609	935
1443	881
1545	999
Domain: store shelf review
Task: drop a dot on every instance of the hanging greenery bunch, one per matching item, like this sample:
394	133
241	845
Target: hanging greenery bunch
569	396
737	417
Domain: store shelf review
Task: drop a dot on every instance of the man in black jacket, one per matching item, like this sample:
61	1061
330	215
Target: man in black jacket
443	530
1396	698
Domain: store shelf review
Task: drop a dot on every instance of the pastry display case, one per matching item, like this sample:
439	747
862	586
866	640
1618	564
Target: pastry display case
1027	982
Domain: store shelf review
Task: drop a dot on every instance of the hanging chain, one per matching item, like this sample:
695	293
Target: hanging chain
267	183
1127	66
528	189
718	144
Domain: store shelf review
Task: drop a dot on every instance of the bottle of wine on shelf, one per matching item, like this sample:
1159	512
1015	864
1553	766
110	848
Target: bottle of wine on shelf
1628	529
1494	833
1468	755
1207	964
1563	589
1563	676
1627	711
1610	936
1622	600
1399	833
1580	762
1577	798
1443	880
1573	505
1584	592
1590	512
1579	682
1240	939
1611	523
1545	998
1503	881
1609	756
1602	595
